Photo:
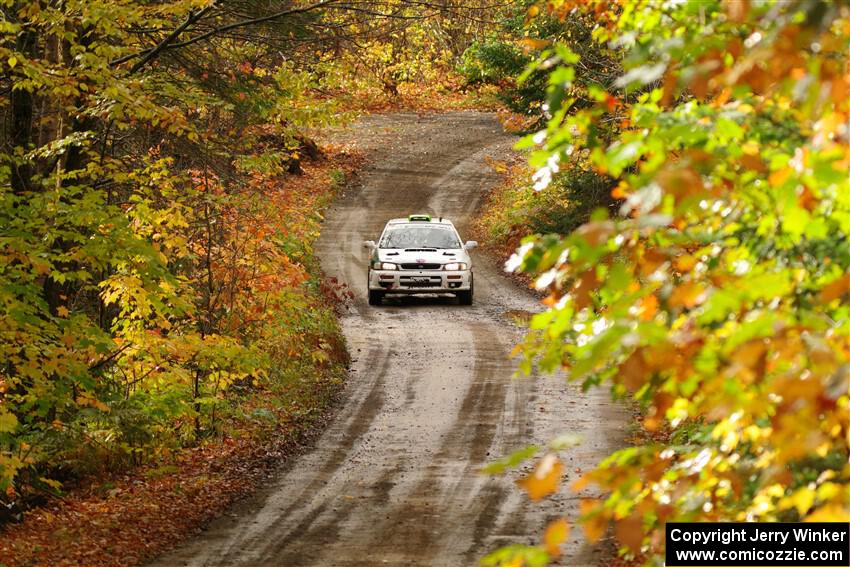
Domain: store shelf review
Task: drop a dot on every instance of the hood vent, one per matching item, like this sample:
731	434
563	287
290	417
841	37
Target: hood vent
420	249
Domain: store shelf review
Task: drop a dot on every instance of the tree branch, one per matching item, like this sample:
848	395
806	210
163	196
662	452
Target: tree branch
191	19
251	22
149	54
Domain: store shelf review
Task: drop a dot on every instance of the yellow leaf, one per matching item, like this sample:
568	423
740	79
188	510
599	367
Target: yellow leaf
8	422
91	401
556	533
498	166
13	61
829	513
545	478
54	484
750	148
801	499
62	311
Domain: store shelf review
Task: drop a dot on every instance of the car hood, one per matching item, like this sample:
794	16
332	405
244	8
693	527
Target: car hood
422	255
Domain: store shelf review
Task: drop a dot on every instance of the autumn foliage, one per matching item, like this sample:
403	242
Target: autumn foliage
717	297
157	222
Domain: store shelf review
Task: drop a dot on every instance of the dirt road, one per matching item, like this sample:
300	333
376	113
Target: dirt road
394	479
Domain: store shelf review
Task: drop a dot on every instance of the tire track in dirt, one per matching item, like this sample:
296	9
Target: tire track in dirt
394	479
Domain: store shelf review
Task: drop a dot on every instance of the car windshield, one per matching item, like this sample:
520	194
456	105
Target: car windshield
419	236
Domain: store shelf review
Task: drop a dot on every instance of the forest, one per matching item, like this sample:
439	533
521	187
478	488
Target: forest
679	199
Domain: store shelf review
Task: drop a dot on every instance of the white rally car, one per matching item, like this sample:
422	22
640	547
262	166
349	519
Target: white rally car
420	254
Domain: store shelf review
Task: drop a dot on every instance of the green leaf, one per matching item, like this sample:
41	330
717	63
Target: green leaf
621	155
728	130
795	221
8	422
511	461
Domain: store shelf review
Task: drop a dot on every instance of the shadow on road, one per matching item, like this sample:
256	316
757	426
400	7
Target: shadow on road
429	300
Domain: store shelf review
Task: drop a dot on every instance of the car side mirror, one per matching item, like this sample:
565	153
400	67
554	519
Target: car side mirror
470	244
369	244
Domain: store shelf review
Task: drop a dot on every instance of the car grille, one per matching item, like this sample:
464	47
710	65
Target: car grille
420	266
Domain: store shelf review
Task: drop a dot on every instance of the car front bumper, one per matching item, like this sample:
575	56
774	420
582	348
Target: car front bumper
419	281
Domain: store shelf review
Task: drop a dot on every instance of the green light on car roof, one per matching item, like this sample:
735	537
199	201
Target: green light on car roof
426	218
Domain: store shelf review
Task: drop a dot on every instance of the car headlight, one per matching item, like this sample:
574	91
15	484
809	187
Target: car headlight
455	266
385	266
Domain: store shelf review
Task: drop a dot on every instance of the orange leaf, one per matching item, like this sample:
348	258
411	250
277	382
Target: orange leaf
835	288
685	263
779	176
556	533
593	519
648	307
545	478
620	191
671	81
687	295
681	182
586	283
634	371
750	353
531	43
650	260
596	233
807	199
62	311
754	163
629	532
580	484
737	10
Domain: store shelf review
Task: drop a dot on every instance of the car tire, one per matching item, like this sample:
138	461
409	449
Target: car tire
376	297
465	297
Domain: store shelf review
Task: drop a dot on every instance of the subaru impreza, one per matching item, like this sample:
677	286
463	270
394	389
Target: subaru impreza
420	254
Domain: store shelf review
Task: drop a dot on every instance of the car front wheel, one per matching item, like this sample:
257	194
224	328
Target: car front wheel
376	297
465	297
